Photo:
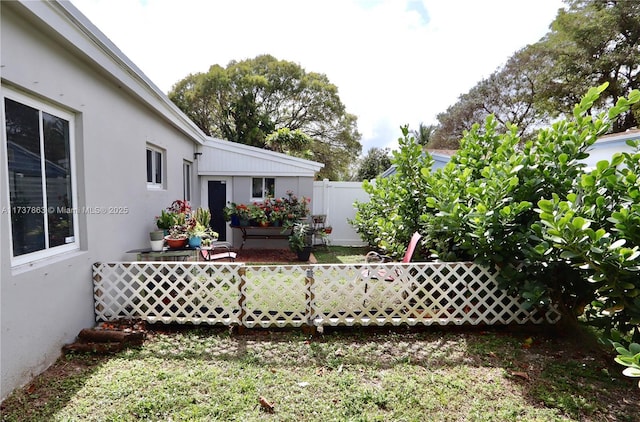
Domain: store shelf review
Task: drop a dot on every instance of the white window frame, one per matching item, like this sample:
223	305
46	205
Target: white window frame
264	190
187	182
157	155
41	106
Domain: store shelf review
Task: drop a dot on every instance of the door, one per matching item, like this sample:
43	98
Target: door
217	190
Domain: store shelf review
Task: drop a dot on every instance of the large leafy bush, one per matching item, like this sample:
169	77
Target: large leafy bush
481	206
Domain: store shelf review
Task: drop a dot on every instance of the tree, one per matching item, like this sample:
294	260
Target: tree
509	94
250	100
375	162
424	133
593	42
292	142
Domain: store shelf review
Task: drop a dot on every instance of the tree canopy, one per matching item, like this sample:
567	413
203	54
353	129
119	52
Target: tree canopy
375	162
252	101
589	43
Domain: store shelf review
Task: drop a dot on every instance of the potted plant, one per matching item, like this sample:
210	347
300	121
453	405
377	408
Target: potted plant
156	238
165	221
195	234
177	237
300	241
257	216
242	211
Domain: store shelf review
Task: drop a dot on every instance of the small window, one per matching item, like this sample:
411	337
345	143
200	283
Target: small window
262	187
40	150
186	181
155	165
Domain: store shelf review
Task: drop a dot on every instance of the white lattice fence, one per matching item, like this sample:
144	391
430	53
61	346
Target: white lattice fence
168	292
417	293
274	296
267	296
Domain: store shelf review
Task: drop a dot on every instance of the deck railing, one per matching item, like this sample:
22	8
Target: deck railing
312	295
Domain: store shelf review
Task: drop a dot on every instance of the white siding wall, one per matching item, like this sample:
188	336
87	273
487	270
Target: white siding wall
45	304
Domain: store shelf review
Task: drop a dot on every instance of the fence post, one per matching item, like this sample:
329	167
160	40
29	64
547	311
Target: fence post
309	281
97	291
242	300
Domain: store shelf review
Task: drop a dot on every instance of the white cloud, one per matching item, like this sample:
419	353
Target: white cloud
394	62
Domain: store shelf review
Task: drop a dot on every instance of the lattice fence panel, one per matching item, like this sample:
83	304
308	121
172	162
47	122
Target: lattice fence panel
167	292
274	296
418	293
268	296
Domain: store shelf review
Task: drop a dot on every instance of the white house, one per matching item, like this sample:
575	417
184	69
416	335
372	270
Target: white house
232	172
607	145
91	151
440	159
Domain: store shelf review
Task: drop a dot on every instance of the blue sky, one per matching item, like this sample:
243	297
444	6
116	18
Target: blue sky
395	62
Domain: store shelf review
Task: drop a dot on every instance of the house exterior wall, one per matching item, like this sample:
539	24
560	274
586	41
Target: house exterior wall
241	194
606	146
44	304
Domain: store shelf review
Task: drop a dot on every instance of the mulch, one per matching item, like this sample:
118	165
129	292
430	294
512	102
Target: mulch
267	255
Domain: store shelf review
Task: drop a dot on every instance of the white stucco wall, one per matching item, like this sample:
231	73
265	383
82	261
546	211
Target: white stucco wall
45	304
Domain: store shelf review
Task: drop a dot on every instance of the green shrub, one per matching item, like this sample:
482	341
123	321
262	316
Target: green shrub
480	207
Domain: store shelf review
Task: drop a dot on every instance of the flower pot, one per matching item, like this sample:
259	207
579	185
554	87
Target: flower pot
304	254
176	243
157	245
195	242
156	235
235	220
243	222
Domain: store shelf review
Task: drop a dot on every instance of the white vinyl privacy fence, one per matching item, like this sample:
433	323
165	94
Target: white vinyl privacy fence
335	200
307	295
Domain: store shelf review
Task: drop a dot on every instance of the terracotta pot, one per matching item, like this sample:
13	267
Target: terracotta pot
176	243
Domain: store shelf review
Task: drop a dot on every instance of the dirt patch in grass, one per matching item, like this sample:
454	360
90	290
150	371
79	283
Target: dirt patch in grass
284	256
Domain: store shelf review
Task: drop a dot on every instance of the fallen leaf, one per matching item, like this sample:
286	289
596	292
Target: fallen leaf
320	371
266	405
522	375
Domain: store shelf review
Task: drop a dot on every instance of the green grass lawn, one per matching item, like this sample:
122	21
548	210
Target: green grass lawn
205	374
340	255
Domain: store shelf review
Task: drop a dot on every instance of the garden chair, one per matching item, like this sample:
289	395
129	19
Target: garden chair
375	257
375	276
210	255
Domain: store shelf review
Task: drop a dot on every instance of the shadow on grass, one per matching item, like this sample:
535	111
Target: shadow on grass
50	391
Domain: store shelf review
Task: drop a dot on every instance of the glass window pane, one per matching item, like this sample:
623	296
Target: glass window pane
256	187
158	163
186	169
25	177
270	186
58	179
149	166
